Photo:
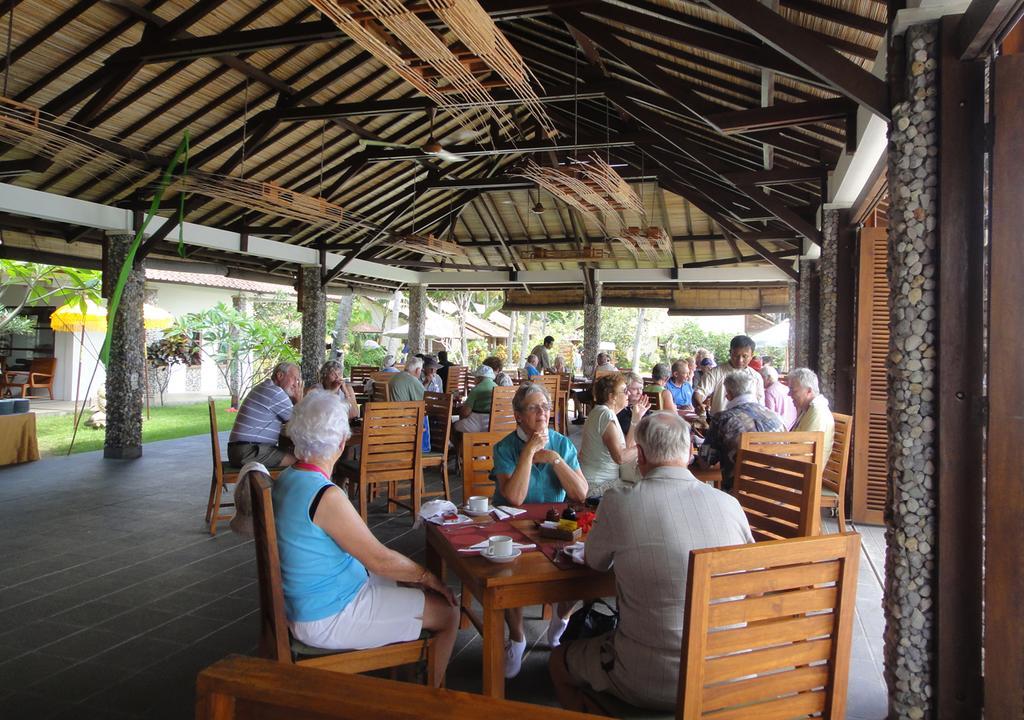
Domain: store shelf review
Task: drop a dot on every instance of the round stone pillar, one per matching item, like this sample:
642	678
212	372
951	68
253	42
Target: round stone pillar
125	371
417	319
912	266
341	323
803	313
591	329
827	264
314	323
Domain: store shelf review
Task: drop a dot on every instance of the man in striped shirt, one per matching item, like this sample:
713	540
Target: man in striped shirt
257	431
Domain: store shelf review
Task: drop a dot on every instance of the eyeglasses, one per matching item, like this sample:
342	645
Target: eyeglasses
538	408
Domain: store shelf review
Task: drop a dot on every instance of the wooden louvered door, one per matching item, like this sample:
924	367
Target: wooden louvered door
870	432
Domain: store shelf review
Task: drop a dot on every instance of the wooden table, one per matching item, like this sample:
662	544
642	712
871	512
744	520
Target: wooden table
531	579
18	438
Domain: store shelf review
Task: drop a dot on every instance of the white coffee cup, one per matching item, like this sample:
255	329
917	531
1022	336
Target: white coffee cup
499	546
478	503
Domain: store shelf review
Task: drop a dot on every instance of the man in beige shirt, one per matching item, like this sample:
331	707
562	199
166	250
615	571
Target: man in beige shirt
712	385
814	413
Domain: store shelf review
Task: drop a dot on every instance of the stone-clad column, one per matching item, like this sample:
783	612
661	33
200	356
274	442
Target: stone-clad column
803	313
417	319
910	515
591	329
314	323
827	303
794	322
341	323
125	370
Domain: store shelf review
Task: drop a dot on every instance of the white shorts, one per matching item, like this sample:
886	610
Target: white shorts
476	422
381	613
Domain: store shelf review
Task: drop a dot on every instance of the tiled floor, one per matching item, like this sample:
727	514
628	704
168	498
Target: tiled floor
113	597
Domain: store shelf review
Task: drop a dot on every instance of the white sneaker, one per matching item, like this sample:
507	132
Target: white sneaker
555	629
514	657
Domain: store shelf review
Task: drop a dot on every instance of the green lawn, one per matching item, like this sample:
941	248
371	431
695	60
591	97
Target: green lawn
165	423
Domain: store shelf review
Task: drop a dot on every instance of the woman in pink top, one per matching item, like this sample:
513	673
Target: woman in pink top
776	396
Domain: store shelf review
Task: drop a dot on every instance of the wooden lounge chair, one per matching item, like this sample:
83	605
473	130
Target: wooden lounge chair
40	374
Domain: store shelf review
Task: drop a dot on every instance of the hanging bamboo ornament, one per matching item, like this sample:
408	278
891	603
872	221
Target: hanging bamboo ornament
429	245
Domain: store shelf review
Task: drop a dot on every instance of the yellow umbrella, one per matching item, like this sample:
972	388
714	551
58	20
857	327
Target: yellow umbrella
71	318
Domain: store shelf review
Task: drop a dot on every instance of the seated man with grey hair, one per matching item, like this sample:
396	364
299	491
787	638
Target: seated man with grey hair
812	406
646	533
406	385
256	434
743	413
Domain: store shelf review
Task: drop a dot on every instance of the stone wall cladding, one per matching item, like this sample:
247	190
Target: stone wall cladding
827	303
417	318
125	372
591	331
794	323
314	324
912	270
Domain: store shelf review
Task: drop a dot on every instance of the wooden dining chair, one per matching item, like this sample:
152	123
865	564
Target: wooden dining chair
768	628
655	397
360	374
391	453
438	409
503	417
781	496
223	474
382	386
833	476
806	446
276	642
455	382
552	382
478	461
767	632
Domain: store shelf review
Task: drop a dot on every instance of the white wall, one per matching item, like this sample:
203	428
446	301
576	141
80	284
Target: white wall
68	349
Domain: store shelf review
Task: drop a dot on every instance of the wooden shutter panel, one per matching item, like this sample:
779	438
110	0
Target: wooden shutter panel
870	429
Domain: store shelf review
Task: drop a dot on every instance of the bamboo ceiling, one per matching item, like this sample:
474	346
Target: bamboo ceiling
261	85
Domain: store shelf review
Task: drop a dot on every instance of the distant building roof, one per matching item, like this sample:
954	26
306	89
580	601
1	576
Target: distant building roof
215	281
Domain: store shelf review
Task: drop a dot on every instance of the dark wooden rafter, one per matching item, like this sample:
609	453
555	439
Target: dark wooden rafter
803	47
782	115
779	176
984	24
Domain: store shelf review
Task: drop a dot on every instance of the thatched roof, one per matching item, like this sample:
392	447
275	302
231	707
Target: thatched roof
270	91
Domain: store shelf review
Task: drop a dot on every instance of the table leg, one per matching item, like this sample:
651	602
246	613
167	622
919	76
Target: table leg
493	651
432	561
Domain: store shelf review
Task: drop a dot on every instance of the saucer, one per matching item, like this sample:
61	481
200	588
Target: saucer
516	552
467	510
460	520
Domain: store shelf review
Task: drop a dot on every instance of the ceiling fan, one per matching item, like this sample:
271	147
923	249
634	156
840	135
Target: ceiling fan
432	147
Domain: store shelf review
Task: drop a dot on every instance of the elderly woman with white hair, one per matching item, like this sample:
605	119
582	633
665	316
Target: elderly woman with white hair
343	589
812	406
776	396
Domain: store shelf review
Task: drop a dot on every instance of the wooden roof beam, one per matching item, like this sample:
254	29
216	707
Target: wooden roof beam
779	176
485	151
837	15
803	47
983	25
782	115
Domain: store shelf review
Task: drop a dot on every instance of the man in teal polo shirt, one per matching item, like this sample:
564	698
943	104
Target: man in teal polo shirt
534	465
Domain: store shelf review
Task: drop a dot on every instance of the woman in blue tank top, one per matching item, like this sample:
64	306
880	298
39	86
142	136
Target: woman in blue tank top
341	585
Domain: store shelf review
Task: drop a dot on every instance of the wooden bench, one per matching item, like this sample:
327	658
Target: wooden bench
238	688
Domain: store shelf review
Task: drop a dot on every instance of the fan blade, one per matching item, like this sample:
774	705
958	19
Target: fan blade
384	143
448	156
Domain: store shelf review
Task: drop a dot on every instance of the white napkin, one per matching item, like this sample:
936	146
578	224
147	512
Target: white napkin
482	545
504	512
434	511
576	552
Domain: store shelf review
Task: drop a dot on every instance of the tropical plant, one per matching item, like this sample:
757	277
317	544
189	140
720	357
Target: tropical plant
245	348
174	348
42	283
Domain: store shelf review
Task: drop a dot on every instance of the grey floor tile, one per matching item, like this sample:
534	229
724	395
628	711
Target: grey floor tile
25	705
186	629
78	682
83	645
35	635
93	613
18	674
137	621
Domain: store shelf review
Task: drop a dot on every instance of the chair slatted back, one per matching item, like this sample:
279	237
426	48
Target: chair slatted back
806	446
503	418
767	629
477	463
392	441
780	495
598	374
214	434
438	408
382	386
274	642
833	476
456	381
656	399
360	374
556	386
